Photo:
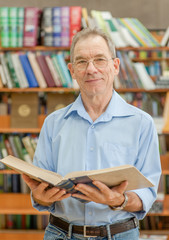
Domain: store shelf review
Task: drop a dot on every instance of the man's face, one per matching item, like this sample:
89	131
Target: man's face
93	80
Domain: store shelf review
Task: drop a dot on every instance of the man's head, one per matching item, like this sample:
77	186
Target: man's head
93	63
85	33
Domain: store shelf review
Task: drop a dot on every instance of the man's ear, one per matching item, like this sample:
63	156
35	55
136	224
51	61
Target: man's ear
116	63
70	67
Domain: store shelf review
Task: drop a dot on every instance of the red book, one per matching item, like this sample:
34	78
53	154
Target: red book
31	26
45	70
75	20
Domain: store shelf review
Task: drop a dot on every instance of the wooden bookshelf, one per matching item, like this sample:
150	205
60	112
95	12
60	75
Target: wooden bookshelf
17	203
21	234
54	89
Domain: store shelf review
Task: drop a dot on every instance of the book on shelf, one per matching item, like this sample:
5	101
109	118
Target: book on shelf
36	69
20	26
45	70
4	23
65	26
28	70
13	12
56	22
32	18
24	110
56	101
109	176
47	27
75	21
165	39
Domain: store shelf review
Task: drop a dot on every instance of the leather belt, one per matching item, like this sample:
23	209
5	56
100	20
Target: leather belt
95	231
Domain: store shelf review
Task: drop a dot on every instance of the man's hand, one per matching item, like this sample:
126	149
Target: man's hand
102	194
42	194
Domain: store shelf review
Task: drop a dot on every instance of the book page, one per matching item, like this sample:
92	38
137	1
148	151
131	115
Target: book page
32	171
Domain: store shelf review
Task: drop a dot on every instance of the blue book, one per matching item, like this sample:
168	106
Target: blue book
64	69
57	28
28	71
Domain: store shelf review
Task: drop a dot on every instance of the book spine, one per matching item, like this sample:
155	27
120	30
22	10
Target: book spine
13	26
75	21
47	27
4	23
56	22
20	26
65	24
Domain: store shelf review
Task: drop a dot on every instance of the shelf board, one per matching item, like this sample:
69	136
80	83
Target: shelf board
155	232
20	130
36	48
21	234
54	89
74	90
17	203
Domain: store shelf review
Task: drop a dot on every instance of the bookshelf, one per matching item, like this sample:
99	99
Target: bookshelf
12	203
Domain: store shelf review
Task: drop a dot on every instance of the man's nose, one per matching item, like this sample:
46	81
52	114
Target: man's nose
91	66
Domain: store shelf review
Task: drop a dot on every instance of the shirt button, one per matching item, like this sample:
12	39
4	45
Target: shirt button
90	213
91	149
92	126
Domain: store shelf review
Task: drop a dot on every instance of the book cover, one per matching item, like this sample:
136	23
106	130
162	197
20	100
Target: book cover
65	26
56	101
31	26
20	26
13	26
36	69
45	70
57	29
12	70
47	27
53	71
23	82
4	23
9	81
109	176
75	21
24	110
63	67
28	71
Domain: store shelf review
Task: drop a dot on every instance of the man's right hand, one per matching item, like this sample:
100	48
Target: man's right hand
42	194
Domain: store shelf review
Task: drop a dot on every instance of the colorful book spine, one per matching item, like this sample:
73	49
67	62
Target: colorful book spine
20	26
47	27
4	23
65	23
75	21
56	21
13	26
28	71
31	26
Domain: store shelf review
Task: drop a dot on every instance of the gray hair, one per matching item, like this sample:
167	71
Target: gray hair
86	32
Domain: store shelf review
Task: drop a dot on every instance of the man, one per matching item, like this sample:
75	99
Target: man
99	130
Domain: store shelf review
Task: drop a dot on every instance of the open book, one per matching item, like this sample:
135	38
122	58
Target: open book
109	176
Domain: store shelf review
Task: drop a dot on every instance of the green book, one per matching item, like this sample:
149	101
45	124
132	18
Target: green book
20	26
13	26
4	23
12	70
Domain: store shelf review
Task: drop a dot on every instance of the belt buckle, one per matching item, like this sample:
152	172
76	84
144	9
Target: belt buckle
84	231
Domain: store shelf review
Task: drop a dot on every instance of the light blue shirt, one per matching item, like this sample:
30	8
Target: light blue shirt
71	141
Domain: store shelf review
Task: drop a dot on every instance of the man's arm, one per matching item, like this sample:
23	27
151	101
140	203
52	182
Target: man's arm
42	194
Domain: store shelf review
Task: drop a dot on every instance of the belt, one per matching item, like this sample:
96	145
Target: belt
95	231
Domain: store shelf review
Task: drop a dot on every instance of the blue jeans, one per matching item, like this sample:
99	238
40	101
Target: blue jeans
54	233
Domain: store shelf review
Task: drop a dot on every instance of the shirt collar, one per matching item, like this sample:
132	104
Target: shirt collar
116	108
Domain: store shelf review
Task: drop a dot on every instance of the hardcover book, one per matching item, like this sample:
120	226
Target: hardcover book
110	176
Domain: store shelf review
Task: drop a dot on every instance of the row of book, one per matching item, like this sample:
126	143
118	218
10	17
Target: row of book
155	223
38	222
31	26
34	69
123	31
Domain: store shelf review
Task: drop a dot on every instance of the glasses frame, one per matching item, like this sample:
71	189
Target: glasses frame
92	60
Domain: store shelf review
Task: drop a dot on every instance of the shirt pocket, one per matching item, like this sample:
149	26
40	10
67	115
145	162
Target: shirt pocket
117	154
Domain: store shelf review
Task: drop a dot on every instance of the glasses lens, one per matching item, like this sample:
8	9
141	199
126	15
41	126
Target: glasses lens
100	62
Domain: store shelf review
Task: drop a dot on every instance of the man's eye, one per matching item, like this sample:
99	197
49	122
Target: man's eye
100	60
81	62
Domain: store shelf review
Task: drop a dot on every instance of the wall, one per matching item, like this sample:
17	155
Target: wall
152	13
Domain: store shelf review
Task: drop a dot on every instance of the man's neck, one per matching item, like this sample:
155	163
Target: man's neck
96	105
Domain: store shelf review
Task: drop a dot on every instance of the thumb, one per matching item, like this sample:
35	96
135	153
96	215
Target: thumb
121	188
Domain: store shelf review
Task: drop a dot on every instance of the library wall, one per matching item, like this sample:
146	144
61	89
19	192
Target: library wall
152	13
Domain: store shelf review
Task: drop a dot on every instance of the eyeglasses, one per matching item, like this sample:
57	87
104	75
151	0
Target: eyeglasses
97	62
